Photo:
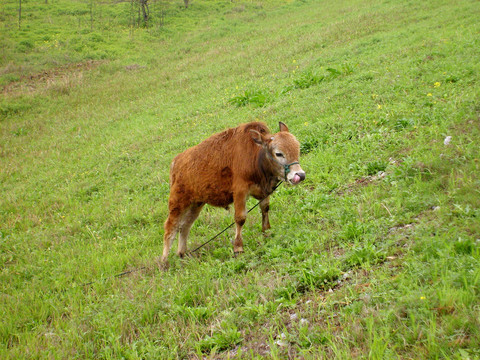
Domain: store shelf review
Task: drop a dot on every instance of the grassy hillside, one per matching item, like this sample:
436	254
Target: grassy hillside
375	255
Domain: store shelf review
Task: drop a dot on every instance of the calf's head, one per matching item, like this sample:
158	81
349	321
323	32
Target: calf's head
283	152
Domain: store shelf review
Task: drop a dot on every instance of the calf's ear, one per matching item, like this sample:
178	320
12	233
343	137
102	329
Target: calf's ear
258	138
283	127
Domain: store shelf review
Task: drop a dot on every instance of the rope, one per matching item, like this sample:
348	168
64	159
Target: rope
189	254
286	168
114	276
108	278
229	226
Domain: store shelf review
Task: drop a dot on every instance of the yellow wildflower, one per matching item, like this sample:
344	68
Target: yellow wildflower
379	106
429	94
437	84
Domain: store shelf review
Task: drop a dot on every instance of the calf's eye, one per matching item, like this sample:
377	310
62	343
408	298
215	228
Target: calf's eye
279	154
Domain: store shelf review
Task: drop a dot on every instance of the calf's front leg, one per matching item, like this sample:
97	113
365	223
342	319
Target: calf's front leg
265	207
239	200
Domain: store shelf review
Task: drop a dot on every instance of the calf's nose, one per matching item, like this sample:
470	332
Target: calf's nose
298	177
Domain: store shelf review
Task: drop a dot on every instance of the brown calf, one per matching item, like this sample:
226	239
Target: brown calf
228	167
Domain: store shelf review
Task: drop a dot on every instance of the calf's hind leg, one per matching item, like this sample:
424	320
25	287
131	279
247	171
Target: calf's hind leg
172	224
171	228
239	200
188	218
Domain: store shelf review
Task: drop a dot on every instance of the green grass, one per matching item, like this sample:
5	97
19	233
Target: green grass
375	256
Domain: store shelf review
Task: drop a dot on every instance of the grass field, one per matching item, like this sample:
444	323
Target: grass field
376	255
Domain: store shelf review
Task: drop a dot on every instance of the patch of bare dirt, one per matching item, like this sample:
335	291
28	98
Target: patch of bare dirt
358	183
60	78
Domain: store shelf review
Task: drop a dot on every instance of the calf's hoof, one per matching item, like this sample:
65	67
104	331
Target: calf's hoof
237	253
163	264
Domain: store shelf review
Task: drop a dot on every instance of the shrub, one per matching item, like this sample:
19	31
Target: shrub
316	277
374	167
25	45
403	123
226	338
307	79
366	254
257	98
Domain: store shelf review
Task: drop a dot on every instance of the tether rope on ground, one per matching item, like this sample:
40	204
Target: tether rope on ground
124	273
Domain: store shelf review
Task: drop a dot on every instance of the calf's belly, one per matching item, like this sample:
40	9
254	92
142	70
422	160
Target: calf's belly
219	198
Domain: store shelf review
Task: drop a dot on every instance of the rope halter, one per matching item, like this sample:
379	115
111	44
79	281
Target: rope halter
287	168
